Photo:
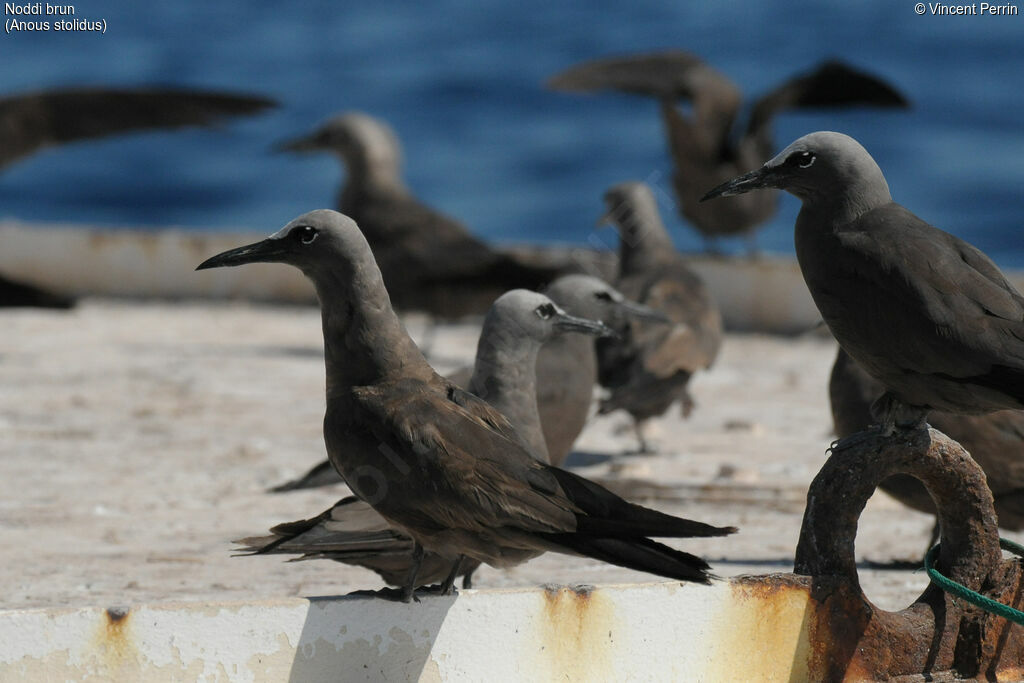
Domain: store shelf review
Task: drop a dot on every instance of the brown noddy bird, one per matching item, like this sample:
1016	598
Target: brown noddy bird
995	441
516	326
33	121
566	371
430	261
704	144
439	464
925	313
649	366
567	365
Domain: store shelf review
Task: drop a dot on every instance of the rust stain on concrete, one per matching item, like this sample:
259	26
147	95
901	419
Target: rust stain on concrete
576	633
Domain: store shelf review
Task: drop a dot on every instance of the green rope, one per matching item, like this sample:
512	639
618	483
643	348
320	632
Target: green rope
961	591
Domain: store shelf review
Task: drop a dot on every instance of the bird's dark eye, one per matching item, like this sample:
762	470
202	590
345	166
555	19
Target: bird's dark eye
801	159
545	311
603	296
305	234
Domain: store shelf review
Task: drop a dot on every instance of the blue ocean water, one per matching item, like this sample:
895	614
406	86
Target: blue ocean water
484	141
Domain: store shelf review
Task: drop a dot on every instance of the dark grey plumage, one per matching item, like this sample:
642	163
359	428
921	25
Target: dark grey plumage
430	261
925	313
649	367
517	325
440	465
354	533
704	145
31	122
995	441
566	371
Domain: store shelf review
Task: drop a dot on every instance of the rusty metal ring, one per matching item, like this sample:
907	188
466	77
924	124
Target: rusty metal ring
837	496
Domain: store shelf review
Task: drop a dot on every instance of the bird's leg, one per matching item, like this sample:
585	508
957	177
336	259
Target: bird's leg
687	404
448	586
884	410
643	447
467	580
409	589
891	413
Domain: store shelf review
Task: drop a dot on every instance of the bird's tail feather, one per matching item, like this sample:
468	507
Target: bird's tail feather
608	515
641	554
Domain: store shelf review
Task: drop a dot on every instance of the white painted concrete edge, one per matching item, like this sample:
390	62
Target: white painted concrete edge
742	629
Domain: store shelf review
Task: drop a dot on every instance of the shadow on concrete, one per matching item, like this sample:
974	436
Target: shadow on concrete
359	638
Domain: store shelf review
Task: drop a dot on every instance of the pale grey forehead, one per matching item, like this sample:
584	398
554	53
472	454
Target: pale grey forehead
283	232
319	218
523	299
519	303
823	141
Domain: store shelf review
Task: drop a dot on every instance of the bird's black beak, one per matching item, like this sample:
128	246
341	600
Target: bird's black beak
267	251
570	323
641	312
756	179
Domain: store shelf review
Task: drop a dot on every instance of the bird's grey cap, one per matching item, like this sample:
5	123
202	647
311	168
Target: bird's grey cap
594	298
294	243
534	314
821	164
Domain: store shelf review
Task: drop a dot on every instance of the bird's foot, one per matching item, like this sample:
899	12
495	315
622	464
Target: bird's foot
641	431
857	438
437	589
893	414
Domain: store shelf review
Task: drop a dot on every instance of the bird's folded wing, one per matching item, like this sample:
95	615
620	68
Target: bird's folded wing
464	473
689	345
350	525
952	285
484	413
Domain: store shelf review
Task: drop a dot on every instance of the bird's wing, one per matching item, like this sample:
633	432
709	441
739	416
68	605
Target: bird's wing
830	84
414	241
668	74
32	121
942	279
464	473
350	525
484	413
690	344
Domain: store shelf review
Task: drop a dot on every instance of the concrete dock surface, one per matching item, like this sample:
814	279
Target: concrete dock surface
138	438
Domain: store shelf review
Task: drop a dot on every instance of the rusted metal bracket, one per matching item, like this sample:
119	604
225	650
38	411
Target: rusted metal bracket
937	637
